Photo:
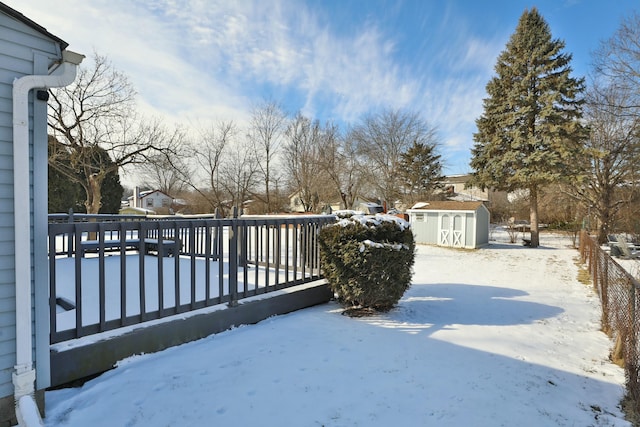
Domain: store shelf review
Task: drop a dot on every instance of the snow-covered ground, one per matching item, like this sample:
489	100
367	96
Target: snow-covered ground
500	336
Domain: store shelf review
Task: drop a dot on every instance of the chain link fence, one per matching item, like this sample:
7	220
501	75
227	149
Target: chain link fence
618	291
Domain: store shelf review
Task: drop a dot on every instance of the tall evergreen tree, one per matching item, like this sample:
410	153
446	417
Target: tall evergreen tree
420	171
529	134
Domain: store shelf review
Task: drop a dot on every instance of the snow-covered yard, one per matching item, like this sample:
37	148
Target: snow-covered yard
500	336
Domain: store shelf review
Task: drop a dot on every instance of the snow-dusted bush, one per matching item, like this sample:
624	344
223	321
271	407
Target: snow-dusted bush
368	260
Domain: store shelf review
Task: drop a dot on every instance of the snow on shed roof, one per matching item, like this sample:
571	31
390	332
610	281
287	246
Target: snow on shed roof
447	205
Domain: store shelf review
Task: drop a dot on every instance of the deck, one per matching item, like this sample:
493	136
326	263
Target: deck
113	283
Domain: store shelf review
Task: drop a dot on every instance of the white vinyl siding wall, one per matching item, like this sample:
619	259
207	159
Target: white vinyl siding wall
23	51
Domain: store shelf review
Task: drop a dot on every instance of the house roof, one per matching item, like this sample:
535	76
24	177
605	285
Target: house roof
144	194
130	210
457	178
447	205
20	17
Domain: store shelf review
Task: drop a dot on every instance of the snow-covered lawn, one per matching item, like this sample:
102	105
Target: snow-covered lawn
501	336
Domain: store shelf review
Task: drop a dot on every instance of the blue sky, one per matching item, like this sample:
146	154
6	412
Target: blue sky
195	62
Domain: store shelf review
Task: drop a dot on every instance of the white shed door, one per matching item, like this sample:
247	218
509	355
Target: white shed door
444	230
451	230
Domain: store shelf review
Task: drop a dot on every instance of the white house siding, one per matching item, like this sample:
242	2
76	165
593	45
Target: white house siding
23	51
155	200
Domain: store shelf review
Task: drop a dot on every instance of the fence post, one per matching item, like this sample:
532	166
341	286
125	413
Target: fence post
216	236
233	260
241	242
309	247
631	354
70	236
602	271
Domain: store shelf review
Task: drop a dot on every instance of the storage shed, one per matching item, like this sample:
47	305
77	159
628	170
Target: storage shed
449	223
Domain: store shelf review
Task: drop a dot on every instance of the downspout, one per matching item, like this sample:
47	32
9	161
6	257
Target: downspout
24	375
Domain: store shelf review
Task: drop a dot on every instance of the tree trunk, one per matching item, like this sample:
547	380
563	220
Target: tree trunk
343	197
603	231
604	213
266	186
533	217
94	194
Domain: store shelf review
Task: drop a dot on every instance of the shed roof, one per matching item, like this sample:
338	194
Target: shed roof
20	17
447	205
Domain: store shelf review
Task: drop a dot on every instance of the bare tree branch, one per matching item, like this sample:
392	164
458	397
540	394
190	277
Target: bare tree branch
98	110
266	127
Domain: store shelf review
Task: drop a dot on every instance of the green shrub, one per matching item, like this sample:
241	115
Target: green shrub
368	260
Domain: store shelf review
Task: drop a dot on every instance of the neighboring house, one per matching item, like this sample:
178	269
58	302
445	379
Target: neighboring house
295	204
154	200
370	208
128	210
455	188
31	61
450	223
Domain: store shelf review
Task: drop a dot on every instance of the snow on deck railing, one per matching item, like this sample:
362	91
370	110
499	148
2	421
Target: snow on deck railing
106	274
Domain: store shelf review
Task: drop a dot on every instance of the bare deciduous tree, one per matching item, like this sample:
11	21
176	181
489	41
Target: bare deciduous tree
240	173
166	174
340	160
618	60
267	124
382	138
613	115
613	150
98	110
302	162
209	154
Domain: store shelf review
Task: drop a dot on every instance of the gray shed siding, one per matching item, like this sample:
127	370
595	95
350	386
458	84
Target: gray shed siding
470	230
482	227
23	51
425	225
474	225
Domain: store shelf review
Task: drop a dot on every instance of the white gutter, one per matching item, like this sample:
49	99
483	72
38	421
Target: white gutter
25	375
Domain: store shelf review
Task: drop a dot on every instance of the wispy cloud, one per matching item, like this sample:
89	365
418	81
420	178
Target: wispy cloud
198	60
